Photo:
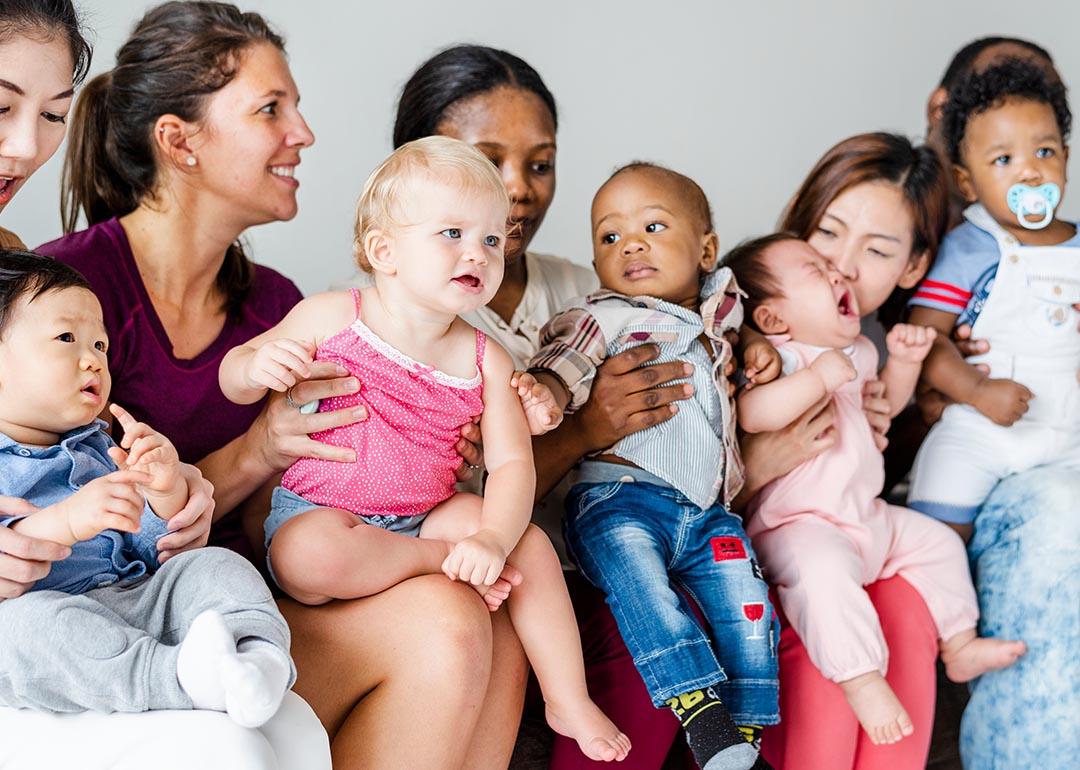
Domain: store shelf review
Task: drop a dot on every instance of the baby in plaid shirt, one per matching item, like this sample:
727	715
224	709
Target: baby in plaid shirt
648	515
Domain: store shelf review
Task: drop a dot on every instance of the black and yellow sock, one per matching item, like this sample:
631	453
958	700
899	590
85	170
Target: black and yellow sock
713	737
752	734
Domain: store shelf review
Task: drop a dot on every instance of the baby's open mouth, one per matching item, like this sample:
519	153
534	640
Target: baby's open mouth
846	305
469	281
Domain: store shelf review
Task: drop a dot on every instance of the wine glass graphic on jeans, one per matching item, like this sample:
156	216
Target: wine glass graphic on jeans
755	613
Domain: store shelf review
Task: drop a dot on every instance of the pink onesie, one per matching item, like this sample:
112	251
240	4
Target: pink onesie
822	533
405	456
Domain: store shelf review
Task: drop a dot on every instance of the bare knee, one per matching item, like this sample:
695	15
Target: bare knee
534	551
457	634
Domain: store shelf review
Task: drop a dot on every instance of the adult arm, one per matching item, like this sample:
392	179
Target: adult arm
770	455
280	435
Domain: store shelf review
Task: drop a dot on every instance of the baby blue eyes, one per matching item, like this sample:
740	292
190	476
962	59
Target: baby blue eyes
1002	160
454	233
1044	152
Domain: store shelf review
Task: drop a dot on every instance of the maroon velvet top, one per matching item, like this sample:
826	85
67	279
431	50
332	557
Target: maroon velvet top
178	397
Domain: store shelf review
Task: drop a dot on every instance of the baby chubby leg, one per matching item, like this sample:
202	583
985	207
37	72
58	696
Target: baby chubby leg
328	553
544	621
819	575
932	557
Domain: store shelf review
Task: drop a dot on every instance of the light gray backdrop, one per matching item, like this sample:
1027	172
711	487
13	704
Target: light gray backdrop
743	96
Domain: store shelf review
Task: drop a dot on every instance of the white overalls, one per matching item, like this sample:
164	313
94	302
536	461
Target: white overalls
1032	328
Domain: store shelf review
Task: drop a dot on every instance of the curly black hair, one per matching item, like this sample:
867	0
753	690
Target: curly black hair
982	91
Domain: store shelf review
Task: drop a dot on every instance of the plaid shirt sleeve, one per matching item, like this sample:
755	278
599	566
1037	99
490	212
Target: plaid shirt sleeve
571	348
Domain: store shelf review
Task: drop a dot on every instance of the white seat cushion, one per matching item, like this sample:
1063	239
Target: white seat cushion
164	740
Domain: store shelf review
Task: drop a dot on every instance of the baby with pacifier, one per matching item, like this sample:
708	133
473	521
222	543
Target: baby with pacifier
821	531
1011	271
431	228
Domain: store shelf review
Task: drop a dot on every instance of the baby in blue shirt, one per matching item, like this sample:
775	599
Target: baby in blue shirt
1012	271
107	629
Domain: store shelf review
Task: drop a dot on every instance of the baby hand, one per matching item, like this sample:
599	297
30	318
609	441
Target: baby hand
1003	401
478	559
910	344
278	363
541	409
107	502
834	368
147	451
761	362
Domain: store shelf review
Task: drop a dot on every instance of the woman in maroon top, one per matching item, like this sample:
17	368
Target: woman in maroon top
192	138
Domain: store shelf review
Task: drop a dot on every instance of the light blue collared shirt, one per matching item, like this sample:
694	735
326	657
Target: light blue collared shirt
46	475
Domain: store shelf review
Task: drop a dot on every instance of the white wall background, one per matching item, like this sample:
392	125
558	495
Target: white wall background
743	96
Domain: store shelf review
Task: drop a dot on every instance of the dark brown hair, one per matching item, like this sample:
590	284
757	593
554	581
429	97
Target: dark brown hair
179	54
48	18
917	172
753	275
23	273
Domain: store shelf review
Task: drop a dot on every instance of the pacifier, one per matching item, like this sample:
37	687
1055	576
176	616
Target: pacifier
1025	200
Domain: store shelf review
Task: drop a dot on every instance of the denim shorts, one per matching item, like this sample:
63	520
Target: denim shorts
285	504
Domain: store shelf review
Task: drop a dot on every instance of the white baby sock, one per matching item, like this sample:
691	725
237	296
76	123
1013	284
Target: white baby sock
255	680
198	666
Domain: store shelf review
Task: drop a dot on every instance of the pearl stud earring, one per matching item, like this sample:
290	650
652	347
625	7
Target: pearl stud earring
191	161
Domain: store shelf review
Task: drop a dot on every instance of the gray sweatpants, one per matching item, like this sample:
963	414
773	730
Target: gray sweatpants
115	648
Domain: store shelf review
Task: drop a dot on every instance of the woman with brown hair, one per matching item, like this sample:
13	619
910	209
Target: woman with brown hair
193	137
876	207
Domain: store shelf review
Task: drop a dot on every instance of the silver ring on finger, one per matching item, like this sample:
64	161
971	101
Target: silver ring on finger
289	400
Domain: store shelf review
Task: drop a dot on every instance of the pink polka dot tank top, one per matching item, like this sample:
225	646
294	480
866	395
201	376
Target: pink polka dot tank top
405	457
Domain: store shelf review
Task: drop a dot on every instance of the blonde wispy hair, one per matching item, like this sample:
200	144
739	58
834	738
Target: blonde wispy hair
439	158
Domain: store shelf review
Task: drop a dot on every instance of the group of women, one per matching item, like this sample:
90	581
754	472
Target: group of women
178	150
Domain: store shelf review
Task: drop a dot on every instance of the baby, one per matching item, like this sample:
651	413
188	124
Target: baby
821	530
1012	271
646	521
431	227
107	630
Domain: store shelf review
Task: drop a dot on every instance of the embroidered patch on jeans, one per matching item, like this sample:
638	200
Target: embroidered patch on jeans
727	548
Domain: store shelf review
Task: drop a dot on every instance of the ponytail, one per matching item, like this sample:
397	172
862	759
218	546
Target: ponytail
179	55
93	183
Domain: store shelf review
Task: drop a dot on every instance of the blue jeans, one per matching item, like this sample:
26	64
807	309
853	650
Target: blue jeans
638	542
1026	558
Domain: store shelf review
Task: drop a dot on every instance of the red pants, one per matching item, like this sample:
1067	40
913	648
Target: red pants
818	730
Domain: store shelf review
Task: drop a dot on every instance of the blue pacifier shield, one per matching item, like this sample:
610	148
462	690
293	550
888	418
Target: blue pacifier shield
1026	201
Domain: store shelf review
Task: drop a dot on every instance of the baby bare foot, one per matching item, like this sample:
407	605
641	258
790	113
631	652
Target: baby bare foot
877	708
499	591
973	657
597	737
